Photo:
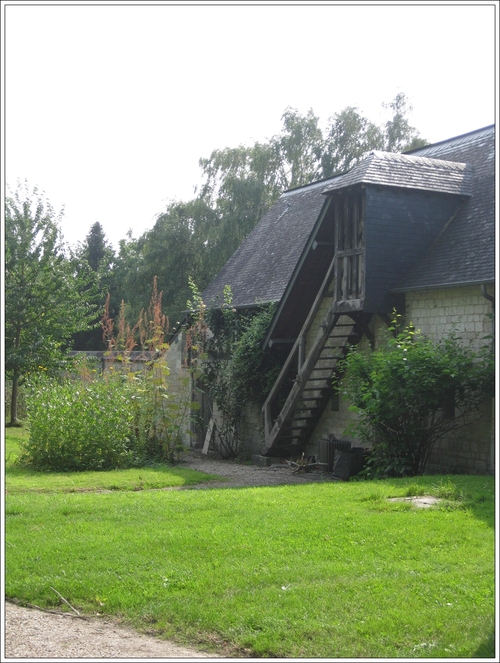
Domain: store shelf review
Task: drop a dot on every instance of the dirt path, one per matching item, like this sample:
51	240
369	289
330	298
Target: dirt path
33	634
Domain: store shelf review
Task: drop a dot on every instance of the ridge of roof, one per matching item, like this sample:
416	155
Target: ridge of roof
407	171
462	139
317	184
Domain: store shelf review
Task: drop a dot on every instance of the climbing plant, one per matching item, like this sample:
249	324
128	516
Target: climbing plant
235	368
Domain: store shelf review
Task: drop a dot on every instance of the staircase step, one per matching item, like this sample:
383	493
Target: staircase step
310	394
319	368
318	388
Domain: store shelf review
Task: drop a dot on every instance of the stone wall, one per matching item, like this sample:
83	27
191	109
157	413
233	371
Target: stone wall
465	311
436	313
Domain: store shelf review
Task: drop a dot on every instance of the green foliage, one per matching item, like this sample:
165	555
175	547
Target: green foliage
176	247
299	147
78	425
411	392
210	341
161	412
161	406
21	400
254	369
122	418
349	137
20	478
399	135
49	295
235	369
97	254
239	185
97	250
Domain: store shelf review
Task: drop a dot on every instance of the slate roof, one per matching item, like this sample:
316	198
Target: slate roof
260	269
464	253
409	172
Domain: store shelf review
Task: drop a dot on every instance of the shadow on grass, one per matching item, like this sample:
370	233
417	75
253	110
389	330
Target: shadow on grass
150	477
472	492
486	649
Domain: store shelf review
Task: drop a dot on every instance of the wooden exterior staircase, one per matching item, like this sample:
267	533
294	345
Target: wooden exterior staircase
304	386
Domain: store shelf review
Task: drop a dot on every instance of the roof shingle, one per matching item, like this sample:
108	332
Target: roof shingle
260	269
465	251
410	172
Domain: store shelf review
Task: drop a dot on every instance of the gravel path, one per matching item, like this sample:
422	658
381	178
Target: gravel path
33	634
244	475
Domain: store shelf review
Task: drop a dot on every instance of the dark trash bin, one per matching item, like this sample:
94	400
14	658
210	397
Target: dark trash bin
350	463
328	448
326	453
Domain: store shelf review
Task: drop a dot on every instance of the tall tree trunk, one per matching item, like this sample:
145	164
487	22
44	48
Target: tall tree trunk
14	421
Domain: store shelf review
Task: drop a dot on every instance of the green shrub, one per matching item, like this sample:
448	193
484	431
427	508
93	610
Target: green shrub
120	418
78	425
411	392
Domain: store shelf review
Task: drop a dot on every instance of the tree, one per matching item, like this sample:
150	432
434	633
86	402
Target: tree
48	296
196	238
242	183
97	250
97	253
411	392
348	138
172	251
240	186
399	135
300	146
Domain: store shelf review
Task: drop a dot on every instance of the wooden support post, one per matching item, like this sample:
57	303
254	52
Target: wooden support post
208	436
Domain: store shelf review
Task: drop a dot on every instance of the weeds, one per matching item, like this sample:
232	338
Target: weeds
123	417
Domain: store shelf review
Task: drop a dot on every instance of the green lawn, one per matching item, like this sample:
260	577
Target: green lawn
22	479
331	570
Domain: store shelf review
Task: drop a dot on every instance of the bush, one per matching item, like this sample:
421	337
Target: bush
115	420
411	392
122	418
78	425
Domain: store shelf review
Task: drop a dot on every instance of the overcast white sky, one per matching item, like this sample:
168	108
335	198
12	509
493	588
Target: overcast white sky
108	107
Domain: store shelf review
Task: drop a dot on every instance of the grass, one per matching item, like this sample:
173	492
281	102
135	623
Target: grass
22	480
329	570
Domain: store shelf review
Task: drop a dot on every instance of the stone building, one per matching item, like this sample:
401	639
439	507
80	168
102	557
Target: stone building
413	232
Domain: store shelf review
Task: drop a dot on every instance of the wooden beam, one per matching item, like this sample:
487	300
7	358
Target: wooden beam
208	436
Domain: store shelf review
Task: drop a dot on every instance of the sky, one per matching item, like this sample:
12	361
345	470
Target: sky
108	107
